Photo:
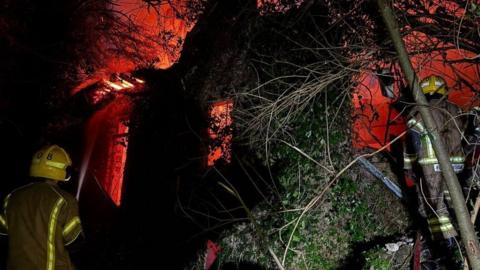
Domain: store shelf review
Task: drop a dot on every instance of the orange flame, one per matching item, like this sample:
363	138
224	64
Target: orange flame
162	29
153	36
221	121
375	121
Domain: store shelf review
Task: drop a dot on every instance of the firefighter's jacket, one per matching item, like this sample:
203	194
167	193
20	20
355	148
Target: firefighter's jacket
420	154
40	220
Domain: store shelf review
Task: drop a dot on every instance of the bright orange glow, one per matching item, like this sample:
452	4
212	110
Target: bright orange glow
139	81
85	84
375	122
121	85
448	64
154	35
161	29
220	132
109	155
432	6
113	182
115	85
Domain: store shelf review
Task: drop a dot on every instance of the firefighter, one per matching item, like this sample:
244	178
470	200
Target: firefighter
422	165
472	151
41	219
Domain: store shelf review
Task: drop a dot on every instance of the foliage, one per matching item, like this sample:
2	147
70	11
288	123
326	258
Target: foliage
376	260
326	235
295	117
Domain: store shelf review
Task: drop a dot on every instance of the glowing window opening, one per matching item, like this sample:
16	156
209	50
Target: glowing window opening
116	163
220	132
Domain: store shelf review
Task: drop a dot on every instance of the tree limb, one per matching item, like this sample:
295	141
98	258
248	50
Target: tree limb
467	231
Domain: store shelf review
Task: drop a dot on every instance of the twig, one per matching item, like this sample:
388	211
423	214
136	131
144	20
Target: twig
307	156
330	183
277	261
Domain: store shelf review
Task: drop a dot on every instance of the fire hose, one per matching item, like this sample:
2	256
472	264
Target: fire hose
392	186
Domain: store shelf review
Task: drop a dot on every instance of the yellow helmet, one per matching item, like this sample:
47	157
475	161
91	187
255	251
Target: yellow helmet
433	85
51	162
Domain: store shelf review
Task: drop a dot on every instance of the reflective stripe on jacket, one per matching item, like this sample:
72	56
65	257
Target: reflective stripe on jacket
3	221
449	125
441	227
41	219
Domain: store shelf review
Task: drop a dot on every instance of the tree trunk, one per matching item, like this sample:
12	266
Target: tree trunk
467	231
